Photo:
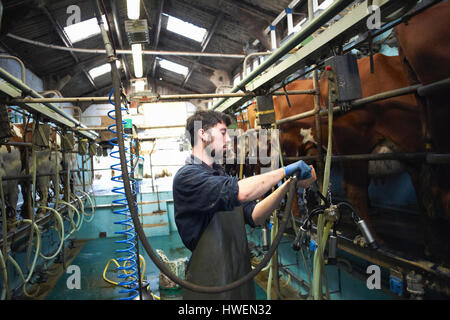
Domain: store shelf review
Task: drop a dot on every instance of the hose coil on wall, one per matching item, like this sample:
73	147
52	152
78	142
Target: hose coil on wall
128	259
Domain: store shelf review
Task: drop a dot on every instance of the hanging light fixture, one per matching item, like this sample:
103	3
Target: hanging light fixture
136	49
133	9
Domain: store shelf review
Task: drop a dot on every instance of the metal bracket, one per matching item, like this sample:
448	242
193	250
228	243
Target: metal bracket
83	147
42	138
68	142
265	111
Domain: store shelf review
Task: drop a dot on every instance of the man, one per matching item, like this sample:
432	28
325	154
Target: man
211	208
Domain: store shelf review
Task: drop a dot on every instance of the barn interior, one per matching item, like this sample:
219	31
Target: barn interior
94	99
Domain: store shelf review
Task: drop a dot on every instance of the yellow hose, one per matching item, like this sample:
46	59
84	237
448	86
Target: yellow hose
73	195
143	266
38	249
5	276
4	251
92	208
273	233
141	258
76	226
61	223
322	230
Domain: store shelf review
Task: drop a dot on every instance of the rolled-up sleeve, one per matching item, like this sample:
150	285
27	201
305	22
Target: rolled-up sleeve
248	208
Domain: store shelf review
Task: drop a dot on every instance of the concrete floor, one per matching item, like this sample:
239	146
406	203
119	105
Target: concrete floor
91	257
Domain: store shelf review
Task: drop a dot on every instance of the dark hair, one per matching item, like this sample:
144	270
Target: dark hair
208	118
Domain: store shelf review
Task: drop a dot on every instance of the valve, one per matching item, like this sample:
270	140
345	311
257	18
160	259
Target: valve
265	234
300	239
366	234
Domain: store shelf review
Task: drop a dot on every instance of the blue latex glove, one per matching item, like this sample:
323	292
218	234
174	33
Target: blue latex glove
299	166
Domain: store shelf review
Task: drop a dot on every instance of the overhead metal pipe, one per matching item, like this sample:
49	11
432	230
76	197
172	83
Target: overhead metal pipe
22	65
254	54
26	90
146	52
422	90
433	88
55	92
17	144
328	14
430	158
176	97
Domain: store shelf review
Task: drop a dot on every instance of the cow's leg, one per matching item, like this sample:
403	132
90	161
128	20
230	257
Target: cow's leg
434	221
43	183
355	183
10	191
13	198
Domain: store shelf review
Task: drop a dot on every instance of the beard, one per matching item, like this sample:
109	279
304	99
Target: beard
210	151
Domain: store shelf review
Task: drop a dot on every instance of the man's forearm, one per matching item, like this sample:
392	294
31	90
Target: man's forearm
252	188
265	207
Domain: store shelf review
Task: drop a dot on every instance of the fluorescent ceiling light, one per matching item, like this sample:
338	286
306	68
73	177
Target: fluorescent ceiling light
133	9
100	70
185	29
136	50
84	30
174	67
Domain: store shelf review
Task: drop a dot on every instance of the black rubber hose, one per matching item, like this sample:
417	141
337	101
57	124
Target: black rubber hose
133	207
161	265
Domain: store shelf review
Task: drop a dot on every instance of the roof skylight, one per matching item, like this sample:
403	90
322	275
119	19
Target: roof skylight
84	29
174	67
185	29
100	70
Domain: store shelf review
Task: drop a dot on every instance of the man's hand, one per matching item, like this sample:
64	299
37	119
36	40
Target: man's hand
300	167
305	183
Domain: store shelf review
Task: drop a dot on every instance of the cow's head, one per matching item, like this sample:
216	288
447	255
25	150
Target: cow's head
309	146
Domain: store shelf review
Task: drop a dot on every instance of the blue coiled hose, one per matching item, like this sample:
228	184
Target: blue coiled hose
128	254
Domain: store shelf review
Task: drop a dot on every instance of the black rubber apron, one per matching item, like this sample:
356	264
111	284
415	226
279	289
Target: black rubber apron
221	257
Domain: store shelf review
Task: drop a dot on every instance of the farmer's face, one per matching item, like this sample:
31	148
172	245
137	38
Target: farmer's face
217	138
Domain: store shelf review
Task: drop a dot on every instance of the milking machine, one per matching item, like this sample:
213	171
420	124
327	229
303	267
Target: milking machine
333	213
39	214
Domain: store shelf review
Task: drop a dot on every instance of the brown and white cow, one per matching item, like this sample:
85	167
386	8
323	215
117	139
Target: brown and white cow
392	123
11	165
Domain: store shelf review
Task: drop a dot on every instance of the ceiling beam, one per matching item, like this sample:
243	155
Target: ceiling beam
157	34
204	44
253	10
249	18
116	23
85	64
104	91
198	63
9	50
65	39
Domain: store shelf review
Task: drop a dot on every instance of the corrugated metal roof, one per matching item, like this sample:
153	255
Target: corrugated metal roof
28	19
